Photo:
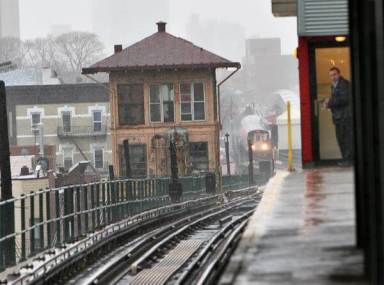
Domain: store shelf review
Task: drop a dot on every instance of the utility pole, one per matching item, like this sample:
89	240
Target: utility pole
7	218
227	154
175	188
250	165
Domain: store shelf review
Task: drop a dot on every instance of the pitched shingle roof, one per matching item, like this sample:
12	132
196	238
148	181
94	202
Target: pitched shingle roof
160	51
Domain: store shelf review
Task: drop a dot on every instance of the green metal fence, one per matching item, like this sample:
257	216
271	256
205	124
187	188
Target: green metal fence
51	217
234	182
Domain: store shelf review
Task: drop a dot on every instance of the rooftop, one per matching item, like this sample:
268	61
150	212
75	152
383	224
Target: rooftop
160	51
56	94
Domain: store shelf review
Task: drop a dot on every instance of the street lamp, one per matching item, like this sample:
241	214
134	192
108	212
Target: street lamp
175	187
227	154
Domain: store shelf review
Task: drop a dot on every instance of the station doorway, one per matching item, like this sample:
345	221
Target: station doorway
324	56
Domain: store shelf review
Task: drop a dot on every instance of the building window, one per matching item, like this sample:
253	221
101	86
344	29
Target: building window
192	101
199	155
35	120
97	121
66	118
161	103
130	104
98	155
67	157
137	160
35	123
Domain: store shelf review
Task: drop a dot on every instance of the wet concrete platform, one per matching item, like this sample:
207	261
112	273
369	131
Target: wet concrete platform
303	232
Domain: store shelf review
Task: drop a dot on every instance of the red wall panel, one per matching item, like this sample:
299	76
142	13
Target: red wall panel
305	99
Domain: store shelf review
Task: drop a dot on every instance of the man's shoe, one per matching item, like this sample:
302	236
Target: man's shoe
344	163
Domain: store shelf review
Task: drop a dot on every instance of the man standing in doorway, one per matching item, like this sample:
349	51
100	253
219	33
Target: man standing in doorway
339	104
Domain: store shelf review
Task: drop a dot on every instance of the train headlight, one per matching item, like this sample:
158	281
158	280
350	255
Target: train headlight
264	146
254	147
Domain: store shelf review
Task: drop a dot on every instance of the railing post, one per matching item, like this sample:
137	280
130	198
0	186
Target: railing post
113	200
58	217
86	220
22	212
68	210
134	196
104	211
141	194
117	200
130	197
127	205
41	219
32	223
93	212
48	214
98	211
109	201
78	216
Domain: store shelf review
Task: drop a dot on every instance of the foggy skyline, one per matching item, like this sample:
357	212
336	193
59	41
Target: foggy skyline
37	17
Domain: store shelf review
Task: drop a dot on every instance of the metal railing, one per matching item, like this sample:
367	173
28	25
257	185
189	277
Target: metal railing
233	182
51	217
81	131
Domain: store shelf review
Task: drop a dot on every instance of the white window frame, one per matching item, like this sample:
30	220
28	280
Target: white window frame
94	122
35	113
67	147
161	103
70	120
192	102
96	148
35	127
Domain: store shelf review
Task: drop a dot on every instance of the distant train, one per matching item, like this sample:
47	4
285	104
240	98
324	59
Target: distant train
252	130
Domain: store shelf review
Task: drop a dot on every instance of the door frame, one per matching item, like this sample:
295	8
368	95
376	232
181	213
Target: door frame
312	46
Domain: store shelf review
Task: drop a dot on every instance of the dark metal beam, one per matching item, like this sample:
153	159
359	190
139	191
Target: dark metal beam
7	218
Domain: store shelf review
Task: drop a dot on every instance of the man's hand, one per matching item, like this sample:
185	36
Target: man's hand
325	103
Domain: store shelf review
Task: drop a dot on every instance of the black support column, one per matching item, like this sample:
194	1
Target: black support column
367	47
7	215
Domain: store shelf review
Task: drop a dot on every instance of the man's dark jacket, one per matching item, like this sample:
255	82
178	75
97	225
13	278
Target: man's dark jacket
339	102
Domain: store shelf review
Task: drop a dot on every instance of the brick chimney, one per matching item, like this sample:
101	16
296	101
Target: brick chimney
118	48
161	26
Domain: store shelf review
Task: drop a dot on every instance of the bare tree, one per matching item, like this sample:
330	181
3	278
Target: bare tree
40	52
11	49
78	49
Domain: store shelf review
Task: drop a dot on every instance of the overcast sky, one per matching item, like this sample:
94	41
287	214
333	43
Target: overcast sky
38	16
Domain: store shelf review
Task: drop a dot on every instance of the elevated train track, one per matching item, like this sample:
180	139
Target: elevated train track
146	242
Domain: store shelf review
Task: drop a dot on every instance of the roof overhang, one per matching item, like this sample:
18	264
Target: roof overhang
93	70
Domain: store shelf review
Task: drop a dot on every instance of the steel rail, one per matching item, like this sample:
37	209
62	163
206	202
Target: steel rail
138	263
210	248
222	257
111	273
165	269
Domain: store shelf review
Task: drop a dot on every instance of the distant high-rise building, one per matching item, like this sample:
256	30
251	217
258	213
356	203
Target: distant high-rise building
220	36
9	18
125	22
265	69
